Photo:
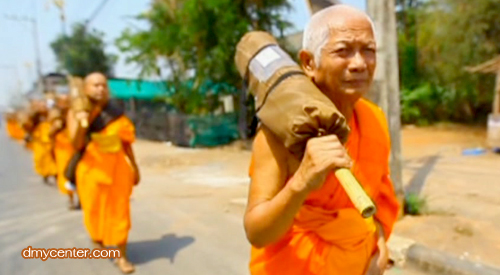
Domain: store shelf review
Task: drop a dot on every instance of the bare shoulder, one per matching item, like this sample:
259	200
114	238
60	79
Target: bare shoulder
269	168
266	144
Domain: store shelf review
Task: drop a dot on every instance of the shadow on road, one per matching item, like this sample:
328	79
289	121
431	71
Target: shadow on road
417	182
166	247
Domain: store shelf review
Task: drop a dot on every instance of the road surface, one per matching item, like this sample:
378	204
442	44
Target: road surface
188	230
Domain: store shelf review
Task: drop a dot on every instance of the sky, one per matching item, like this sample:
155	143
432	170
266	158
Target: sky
17	47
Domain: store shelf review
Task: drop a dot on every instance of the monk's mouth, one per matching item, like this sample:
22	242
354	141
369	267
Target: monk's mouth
356	82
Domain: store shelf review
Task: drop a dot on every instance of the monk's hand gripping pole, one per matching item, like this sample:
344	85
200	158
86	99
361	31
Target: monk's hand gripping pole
354	190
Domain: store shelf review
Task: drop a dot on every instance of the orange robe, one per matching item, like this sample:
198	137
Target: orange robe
43	146
104	180
14	130
63	151
328	235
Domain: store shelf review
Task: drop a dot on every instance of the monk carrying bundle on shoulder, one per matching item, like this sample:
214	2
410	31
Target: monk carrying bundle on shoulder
306	213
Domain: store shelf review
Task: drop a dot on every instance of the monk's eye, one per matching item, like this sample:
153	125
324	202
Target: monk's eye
370	50
341	51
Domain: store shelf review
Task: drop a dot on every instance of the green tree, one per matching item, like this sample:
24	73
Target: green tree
438	39
197	39
407	42
82	52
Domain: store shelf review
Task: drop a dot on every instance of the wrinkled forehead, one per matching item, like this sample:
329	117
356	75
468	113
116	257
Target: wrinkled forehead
352	28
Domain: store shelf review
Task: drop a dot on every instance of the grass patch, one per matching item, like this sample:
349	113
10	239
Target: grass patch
415	205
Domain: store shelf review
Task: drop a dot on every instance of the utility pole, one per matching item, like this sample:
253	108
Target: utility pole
34	26
60	5
385	92
95	13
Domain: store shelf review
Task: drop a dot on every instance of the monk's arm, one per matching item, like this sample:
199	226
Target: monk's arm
55	126
76	132
272	204
130	154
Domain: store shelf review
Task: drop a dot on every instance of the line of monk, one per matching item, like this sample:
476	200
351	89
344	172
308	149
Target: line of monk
299	220
94	159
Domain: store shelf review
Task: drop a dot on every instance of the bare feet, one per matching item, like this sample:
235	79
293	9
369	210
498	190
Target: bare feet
125	266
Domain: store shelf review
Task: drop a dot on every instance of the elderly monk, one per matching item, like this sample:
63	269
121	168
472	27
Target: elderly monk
63	149
107	171
42	143
299	219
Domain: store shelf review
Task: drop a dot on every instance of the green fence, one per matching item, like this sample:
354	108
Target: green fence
213	130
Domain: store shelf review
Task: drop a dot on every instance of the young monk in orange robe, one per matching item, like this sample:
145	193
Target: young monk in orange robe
43	144
63	149
107	172
14	130
299	219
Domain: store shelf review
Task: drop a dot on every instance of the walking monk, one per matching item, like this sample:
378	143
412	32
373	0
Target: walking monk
63	149
42	143
299	219
107	171
14	129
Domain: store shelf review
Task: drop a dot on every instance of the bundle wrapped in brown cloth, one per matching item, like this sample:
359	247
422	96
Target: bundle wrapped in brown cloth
287	102
290	104
79	101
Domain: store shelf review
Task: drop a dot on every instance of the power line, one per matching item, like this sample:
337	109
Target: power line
96	12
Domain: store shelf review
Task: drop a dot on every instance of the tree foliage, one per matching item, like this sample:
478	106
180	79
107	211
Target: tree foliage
437	40
196	39
83	52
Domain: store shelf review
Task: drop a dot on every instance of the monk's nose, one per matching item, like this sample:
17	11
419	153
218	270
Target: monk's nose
357	63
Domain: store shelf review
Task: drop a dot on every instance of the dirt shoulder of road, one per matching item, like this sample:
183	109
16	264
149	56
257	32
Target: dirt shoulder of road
462	192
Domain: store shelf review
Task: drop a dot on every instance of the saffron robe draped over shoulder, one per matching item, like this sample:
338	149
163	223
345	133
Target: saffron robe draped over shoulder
105	179
328	235
63	151
14	130
43	154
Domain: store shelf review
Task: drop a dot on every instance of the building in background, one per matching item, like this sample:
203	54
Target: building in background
56	83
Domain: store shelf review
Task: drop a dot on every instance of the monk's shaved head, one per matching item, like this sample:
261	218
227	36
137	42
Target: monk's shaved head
94	76
322	23
96	88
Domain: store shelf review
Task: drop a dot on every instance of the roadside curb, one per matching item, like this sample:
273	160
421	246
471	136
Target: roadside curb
407	252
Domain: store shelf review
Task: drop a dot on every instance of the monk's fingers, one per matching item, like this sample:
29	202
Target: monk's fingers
339	154
330	138
338	162
81	115
383	263
321	141
373	269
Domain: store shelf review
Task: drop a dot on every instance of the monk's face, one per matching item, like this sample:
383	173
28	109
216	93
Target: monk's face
348	60
62	102
96	88
39	105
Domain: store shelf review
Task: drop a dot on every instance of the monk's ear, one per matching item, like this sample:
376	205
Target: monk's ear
307	63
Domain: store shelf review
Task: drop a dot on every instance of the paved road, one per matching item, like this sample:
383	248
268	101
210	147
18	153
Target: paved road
184	235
